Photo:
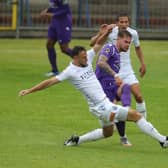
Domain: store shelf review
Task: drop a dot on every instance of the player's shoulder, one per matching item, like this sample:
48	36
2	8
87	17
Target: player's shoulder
108	45
132	31
108	49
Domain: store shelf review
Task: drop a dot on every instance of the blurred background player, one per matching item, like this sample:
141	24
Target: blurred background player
107	67
59	30
126	72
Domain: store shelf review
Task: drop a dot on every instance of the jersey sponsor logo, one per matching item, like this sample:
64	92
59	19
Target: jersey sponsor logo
67	28
87	75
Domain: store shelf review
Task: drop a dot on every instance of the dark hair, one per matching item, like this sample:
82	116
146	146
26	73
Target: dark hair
121	15
76	50
123	33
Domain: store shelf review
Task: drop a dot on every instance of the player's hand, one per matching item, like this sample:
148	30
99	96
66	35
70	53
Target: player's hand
45	14
110	27
106	27
142	70
118	80
103	28
24	92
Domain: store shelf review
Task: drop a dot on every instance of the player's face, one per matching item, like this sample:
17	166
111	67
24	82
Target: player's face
123	22
82	58
124	43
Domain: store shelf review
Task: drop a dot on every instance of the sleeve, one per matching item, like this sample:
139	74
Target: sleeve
107	51
135	37
61	10
64	75
90	55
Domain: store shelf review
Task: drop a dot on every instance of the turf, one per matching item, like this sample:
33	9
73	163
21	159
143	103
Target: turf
33	128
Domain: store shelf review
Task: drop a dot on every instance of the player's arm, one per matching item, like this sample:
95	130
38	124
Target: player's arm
140	55
45	13
102	63
102	29
44	84
102	38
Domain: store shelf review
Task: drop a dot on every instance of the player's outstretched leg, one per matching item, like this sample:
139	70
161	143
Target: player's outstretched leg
90	136
94	135
147	127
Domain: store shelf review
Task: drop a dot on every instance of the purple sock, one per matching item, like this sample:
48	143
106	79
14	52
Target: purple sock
126	95
121	128
126	101
52	59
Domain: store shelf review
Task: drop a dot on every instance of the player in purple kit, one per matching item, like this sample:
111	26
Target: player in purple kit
59	30
107	67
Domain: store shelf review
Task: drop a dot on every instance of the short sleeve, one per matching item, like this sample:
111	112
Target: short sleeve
107	50
64	75
135	38
90	55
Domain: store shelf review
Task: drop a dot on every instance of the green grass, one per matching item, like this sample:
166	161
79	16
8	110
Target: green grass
33	128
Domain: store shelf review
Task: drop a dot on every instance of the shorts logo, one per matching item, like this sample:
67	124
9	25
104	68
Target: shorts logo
101	108
67	28
114	108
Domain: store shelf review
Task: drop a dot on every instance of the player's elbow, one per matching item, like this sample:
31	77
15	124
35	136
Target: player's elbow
91	43
100	64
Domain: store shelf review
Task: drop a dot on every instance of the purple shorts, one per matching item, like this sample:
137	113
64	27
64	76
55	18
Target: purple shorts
110	89
60	29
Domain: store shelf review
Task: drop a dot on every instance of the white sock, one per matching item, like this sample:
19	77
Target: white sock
141	107
91	136
148	128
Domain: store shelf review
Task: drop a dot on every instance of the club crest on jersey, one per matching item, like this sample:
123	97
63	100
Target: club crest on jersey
107	50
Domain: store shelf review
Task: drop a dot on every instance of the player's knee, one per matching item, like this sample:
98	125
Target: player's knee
49	45
133	115
107	134
108	131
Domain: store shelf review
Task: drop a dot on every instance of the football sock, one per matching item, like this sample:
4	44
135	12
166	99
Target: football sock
126	101
52	59
148	128
91	136
141	107
121	128
126	95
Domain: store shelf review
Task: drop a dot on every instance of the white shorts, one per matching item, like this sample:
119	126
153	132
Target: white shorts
129	79
103	111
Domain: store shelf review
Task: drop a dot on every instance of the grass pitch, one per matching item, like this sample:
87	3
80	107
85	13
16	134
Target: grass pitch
33	128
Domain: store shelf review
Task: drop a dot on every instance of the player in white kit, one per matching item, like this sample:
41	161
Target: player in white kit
81	74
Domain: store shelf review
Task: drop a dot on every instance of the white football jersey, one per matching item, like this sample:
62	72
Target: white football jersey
84	79
125	61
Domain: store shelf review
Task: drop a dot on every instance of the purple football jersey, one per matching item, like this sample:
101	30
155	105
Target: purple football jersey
107	81
59	7
111	52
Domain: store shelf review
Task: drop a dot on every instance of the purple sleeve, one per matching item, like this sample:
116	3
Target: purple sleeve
61	10
107	50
